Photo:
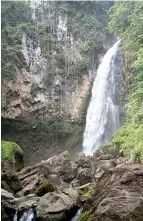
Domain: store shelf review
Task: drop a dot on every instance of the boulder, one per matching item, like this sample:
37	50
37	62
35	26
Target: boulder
26	202
6	196
10	204
62	161
57	205
106	164
85	191
7	205
52	169
107	149
10	182
84	175
12	156
44	187
105	157
118	196
83	161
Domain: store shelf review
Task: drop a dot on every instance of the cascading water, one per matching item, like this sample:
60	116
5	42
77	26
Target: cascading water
27	215
102	119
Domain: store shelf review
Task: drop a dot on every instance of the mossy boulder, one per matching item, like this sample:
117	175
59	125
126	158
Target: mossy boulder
85	191
44	187
11	152
108	148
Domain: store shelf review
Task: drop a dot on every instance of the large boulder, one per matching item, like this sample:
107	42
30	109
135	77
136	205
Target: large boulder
11	204
7	205
83	161
64	167
57	205
44	187
84	175
118	196
10	182
26	202
12	156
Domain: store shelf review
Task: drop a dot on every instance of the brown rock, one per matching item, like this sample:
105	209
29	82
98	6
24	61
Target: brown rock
10	182
118	195
84	175
83	161
57	205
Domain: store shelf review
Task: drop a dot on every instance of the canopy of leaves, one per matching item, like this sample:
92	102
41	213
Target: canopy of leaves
15	18
127	22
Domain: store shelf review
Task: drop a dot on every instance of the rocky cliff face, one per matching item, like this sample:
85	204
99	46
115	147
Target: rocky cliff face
45	100
44	105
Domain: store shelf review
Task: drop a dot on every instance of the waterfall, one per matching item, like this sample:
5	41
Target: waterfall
77	214
102	120
27	215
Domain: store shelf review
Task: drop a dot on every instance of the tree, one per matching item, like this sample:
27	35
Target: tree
15	19
126	21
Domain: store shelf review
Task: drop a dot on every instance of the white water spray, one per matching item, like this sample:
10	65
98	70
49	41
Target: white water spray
27	215
102	119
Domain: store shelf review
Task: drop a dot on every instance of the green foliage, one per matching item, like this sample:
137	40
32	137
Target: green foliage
85	191
66	155
130	140
8	149
86	23
15	19
44	187
107	148
85	216
126	21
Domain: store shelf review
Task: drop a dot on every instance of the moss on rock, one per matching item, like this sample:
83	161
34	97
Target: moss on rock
85	216
10	151
107	148
44	187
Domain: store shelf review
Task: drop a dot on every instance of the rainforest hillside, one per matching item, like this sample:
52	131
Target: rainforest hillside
126	21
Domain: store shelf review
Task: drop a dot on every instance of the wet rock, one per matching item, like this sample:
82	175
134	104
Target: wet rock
57	205
11	204
29	185
6	196
7	205
107	149
84	175
52	169
26	202
6	213
105	157
5	186
85	191
107	164
62	161
10	182
82	160
118	195
99	173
